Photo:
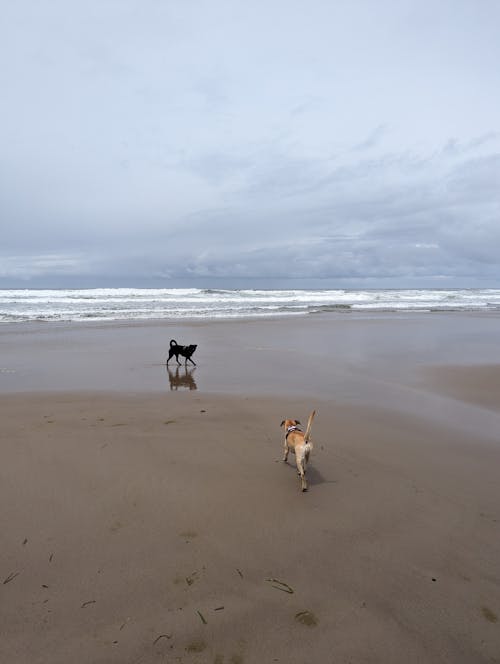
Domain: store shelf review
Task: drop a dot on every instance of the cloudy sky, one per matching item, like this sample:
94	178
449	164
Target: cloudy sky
275	142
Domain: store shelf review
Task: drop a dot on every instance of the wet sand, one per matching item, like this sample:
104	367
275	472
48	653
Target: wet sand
147	516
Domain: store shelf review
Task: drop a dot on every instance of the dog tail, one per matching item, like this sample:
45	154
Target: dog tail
309	424
173	342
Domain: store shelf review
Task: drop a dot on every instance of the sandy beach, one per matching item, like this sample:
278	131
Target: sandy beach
147	516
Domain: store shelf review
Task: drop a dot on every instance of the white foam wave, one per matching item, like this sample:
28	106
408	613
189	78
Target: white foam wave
141	304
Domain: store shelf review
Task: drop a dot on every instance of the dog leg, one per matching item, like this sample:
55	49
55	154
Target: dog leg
299	459
306	461
286	450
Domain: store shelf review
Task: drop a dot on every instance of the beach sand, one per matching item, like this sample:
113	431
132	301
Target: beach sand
147	516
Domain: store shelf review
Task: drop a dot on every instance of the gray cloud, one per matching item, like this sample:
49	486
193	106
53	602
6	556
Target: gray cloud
153	141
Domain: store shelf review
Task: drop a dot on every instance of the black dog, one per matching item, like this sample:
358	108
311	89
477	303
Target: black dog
185	351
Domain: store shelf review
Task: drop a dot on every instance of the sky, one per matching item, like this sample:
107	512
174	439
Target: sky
301	143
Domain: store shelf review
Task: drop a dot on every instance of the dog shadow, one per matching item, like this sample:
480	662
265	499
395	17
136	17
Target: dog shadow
181	379
315	477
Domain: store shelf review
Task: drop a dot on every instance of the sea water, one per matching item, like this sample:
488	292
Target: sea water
108	304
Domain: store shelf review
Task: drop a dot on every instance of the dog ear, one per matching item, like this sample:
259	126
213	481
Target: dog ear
282	423
297	421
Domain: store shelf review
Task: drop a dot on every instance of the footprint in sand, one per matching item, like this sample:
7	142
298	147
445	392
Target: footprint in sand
489	615
116	526
188	536
192	578
196	646
234	659
306	618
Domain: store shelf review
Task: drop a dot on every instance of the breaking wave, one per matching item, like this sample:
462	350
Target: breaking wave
107	304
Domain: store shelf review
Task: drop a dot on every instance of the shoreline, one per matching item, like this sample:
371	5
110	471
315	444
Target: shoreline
401	361
336	312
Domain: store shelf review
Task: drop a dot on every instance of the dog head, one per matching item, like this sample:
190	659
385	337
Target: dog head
190	349
289	423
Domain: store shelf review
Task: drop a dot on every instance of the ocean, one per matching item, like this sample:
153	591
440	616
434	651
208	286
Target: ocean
122	304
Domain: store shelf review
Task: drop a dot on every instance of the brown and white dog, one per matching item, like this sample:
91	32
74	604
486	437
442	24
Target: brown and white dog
298	442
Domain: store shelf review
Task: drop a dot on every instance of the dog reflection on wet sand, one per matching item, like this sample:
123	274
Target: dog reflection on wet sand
181	379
